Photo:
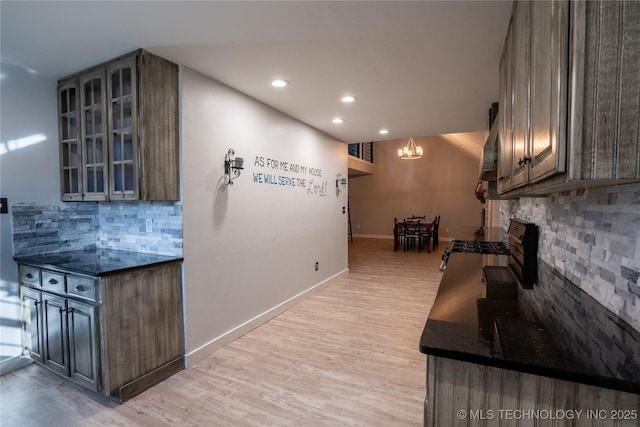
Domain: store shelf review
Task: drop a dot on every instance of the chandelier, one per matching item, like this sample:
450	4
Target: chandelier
411	151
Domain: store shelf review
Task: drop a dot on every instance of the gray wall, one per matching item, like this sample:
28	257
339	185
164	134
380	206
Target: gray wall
592	238
28	173
250	248
442	183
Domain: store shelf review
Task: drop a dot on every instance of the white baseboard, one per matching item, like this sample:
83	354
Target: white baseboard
216	344
374	236
13	364
390	237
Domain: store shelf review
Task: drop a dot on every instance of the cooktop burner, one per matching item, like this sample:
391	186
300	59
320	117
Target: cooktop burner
478	247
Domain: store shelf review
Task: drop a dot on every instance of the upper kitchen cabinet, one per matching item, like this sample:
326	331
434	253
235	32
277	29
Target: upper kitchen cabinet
570	94
520	92
505	138
533	87
119	131
605	112
548	109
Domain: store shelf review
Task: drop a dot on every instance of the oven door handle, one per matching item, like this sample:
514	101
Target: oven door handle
445	259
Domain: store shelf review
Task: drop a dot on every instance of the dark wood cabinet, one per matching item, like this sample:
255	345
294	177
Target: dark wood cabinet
453	384
83	344
605	82
54	333
533	94
60	330
549	85
569	84
32	317
143	329
119	131
505	137
117	334
520	92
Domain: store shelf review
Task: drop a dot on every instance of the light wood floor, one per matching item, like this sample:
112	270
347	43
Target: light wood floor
348	355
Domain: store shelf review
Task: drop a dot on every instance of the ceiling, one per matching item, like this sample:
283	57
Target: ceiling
417	68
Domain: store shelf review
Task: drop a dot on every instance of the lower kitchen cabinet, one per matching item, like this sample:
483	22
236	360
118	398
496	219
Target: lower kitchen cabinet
117	334
32	321
461	393
83	344
62	334
54	330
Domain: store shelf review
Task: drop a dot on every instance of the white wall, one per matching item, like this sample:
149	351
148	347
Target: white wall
28	173
251	247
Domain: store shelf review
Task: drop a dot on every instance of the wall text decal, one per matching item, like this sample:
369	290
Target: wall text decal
310	179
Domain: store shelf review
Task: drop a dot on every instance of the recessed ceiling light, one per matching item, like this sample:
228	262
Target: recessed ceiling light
338	120
383	131
347	99
279	83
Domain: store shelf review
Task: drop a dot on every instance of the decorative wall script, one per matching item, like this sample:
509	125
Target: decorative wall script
286	174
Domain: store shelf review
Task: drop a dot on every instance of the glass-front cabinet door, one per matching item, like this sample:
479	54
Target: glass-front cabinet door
123	135
70	150
92	96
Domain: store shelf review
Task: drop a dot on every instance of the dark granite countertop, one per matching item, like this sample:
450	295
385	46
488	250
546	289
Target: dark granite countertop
464	324
97	262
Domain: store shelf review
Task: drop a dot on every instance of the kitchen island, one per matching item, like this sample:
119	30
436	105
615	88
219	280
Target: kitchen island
110	321
501	359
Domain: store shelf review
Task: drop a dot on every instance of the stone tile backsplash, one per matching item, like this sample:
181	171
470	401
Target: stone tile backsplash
149	227
590	237
54	227
608	344
141	227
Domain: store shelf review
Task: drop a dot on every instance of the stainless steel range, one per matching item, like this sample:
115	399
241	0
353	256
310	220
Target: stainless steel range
480	247
521	248
523	244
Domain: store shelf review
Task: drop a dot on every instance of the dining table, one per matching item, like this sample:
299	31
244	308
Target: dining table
425	229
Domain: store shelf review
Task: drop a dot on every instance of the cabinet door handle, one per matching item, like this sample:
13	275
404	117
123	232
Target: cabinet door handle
29	276
502	178
53	282
80	288
524	161
61	310
35	303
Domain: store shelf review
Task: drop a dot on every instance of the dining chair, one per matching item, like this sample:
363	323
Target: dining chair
434	234
426	230
398	233
412	234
